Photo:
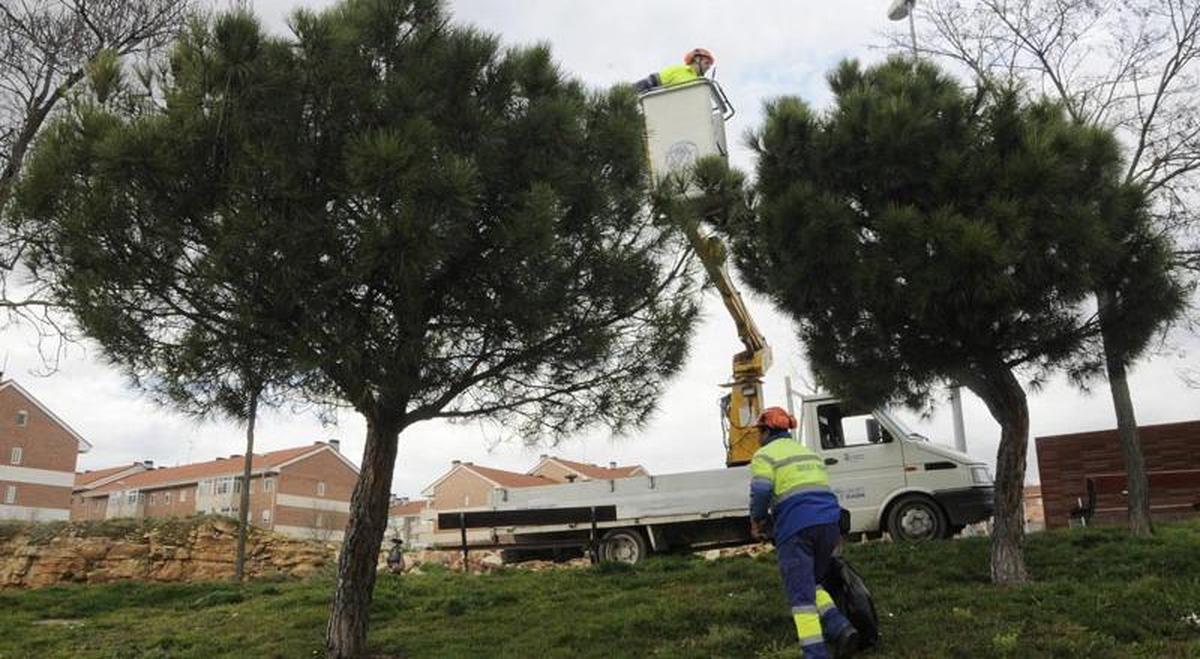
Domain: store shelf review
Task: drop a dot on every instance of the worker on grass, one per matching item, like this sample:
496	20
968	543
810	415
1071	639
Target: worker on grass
395	558
695	64
790	483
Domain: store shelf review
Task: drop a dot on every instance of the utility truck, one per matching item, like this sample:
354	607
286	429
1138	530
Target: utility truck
889	478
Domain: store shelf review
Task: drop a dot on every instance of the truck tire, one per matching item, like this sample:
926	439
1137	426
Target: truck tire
624	546
916	518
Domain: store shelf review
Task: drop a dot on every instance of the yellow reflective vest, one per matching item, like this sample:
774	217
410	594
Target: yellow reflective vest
790	480
676	75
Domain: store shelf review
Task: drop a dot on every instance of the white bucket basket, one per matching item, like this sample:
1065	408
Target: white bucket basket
683	124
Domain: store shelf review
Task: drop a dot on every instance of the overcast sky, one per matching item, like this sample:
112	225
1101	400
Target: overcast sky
763	49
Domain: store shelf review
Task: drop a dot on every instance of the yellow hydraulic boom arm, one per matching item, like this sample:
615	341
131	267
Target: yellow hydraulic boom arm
744	402
684	123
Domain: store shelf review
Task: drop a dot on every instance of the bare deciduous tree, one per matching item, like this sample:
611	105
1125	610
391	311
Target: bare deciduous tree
1128	65
47	47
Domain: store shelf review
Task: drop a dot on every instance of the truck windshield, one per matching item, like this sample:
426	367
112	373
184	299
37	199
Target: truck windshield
901	426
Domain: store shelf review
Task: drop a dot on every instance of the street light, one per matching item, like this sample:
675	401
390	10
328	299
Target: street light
900	10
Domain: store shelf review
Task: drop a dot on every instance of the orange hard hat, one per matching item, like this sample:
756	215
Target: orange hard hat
776	418
699	52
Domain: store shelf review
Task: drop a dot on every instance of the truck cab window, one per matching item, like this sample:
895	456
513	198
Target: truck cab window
840	427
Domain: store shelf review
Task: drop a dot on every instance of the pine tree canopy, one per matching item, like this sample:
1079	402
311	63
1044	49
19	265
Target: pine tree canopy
918	233
436	225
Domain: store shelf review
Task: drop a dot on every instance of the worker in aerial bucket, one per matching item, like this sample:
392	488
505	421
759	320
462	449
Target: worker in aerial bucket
789	488
696	63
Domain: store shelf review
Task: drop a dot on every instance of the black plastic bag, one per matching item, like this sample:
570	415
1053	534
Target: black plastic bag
853	599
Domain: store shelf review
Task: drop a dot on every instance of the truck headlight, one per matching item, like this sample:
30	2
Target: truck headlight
980	476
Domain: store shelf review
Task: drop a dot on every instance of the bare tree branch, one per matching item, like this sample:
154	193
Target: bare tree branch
46	48
1131	66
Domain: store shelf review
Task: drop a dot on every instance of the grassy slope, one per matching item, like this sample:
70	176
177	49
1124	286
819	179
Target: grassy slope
1098	594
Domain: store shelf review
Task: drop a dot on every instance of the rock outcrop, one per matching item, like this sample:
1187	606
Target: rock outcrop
193	549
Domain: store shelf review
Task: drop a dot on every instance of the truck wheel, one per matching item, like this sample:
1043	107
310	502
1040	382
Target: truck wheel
623	546
915	518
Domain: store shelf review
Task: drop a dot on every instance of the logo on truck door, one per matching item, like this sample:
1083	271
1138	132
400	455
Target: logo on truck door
850	493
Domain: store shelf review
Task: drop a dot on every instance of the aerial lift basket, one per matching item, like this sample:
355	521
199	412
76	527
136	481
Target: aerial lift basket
683	124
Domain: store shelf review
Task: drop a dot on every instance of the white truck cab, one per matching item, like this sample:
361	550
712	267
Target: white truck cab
891	478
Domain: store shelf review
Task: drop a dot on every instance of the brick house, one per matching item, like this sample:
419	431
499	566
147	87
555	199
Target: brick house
38	453
562	470
469	485
302	492
409	521
1066	462
91	479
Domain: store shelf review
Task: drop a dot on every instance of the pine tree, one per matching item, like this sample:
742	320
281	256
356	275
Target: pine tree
435	226
920	235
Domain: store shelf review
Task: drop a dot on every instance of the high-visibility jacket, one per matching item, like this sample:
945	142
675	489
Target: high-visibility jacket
676	75
790	480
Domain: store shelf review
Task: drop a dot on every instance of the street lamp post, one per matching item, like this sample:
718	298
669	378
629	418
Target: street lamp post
900	10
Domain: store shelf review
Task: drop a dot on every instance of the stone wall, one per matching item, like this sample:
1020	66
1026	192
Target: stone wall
195	549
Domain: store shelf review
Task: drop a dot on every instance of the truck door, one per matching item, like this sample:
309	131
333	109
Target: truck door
864	460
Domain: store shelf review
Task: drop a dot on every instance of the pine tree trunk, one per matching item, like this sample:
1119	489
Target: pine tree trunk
239	566
1127	430
346	634
1005	398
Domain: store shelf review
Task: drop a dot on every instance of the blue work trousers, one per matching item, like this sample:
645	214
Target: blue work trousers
803	563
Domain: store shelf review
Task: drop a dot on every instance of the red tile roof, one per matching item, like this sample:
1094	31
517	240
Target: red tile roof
408	508
84	478
508	478
197	471
597	472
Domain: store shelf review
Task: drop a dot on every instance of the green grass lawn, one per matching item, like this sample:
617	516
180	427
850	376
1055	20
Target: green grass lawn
1097	594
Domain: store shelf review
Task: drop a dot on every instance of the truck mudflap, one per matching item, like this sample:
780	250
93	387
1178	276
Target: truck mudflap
967	505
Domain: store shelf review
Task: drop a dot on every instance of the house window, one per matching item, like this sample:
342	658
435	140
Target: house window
268	484
182	496
22	418
224	485
251	487
266	515
167	498
321	489
132	496
320	522
10	494
17	453
153	498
